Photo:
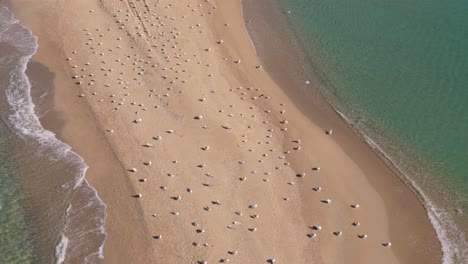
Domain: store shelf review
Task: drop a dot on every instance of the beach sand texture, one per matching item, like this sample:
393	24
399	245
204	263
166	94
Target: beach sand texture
199	155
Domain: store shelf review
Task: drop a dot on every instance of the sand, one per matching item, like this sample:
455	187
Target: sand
200	155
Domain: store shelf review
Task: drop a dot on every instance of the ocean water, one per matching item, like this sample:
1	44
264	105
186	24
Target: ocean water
15	237
48	212
398	71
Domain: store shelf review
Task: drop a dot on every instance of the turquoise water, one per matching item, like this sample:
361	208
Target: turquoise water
405	64
399	70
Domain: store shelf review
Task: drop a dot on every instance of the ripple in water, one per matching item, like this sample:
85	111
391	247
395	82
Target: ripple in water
63	215
398	71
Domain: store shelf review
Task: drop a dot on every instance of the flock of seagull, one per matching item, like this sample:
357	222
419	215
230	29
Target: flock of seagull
113	82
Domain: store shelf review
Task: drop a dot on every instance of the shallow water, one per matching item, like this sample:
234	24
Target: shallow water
49	212
15	235
398	70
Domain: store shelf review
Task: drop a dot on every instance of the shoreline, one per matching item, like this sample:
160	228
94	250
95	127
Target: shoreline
322	105
447	239
50	204
95	129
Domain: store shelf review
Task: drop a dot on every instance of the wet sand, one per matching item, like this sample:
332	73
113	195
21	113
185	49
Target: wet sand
197	152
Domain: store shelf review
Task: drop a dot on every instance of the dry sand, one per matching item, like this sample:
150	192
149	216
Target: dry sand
226	179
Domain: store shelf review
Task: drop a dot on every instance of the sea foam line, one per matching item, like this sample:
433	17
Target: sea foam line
24	123
61	249
450	251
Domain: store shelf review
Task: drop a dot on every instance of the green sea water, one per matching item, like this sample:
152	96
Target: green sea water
15	237
48	211
398	69
404	63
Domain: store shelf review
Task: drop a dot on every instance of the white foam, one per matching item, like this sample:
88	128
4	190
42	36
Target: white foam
25	124
452	238
446	228
61	249
9	35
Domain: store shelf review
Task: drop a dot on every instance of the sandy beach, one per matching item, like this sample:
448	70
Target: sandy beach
199	153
